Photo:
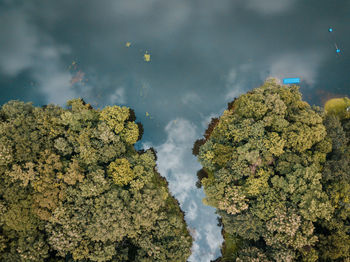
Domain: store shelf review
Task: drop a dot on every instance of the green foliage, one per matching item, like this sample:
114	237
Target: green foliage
271	179
257	185
230	247
334	237
197	145
252	254
73	188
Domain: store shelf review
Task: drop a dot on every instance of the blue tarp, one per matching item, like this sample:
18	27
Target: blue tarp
291	81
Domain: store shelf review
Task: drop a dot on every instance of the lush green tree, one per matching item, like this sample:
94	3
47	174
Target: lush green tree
73	188
264	161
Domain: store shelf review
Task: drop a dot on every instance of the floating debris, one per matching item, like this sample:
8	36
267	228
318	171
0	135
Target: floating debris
73	66
337	50
287	81
147	57
77	75
128	44
77	78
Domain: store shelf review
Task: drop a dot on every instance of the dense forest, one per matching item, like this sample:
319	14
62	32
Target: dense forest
74	188
277	172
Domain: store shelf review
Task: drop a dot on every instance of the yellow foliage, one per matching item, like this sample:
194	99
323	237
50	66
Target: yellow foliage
74	173
256	185
19	217
121	171
205	201
234	201
82	251
148	159
139	170
212	190
325	146
337	106
164	193
209	155
340	194
137	184
23	175
131	133
274	143
115	117
251	106
222	153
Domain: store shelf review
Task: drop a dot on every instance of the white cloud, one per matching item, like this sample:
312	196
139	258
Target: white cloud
181	132
176	14
170	157
18	42
118	97
268	7
190	98
231	77
195	253
135	7
55	86
191	213
147	145
302	65
53	80
177	164
237	91
170	15
206	121
235	85
175	159
181	185
24	46
213	236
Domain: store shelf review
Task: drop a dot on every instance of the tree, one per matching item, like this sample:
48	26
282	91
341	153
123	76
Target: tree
264	159
334	234
74	188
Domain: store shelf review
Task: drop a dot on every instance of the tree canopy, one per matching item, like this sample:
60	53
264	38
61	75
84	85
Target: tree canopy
73	188
277	172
